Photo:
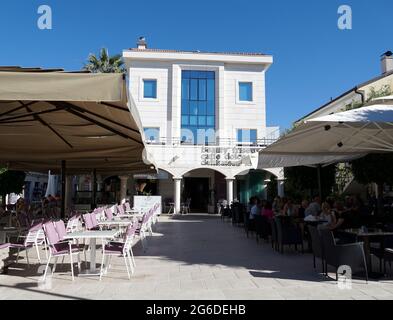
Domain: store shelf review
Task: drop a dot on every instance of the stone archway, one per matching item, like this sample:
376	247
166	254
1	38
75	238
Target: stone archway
256	182
203	188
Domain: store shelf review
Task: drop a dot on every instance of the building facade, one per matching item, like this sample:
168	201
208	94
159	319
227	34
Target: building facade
204	118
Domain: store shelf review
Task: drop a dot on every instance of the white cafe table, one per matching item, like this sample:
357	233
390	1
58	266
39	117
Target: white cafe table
128	216
115	223
133	211
93	236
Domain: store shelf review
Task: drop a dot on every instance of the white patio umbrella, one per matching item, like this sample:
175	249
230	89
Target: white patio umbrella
335	138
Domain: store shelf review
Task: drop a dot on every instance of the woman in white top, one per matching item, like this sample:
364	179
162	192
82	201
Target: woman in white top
290	209
328	215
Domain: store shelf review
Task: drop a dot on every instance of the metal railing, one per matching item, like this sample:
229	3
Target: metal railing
220	142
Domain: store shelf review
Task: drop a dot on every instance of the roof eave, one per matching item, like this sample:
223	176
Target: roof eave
197	56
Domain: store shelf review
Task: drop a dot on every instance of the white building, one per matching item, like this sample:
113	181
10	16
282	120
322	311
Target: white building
204	117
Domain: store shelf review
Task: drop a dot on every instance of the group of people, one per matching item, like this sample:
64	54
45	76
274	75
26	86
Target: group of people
260	208
335	214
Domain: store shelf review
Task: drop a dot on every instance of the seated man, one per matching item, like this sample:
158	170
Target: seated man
255	209
314	207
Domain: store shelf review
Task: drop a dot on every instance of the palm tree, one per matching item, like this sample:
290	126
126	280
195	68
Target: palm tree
105	63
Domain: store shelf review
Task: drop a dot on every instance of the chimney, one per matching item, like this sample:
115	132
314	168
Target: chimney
387	62
141	44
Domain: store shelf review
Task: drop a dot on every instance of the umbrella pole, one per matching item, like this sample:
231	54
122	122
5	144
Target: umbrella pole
63	188
319	168
94	196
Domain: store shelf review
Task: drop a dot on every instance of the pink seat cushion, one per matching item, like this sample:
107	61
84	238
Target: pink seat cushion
113	249
64	248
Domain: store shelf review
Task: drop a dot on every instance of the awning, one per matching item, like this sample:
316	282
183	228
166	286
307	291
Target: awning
85	119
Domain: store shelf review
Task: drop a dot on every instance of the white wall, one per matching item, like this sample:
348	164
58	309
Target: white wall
244	115
165	111
153	113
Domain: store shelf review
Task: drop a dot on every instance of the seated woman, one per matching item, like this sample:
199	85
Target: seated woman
328	215
344	220
290	209
267	211
343	217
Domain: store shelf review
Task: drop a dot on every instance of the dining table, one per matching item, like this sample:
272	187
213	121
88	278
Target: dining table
115	223
92	236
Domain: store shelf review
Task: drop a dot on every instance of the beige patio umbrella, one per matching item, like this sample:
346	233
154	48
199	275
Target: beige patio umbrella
52	119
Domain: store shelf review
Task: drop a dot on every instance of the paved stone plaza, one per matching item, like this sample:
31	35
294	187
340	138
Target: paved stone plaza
195	257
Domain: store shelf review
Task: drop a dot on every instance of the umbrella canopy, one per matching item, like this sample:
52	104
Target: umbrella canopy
278	160
334	138
84	119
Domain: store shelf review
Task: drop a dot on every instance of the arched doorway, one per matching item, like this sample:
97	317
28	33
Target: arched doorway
110	191
253	183
203	188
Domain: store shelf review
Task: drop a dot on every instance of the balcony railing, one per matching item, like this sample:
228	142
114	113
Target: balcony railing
258	144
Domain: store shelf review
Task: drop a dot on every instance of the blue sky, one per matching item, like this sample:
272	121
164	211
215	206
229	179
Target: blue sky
314	60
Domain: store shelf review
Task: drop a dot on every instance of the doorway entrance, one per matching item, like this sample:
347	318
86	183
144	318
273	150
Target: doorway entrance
197	189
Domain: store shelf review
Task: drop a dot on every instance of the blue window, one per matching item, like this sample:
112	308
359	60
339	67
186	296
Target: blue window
152	135
198	106
150	89
245	91
247	136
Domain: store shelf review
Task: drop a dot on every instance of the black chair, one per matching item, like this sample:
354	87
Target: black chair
317	246
388	257
262	228
378	249
242	209
288	233
236	213
343	237
273	228
249	225
351	255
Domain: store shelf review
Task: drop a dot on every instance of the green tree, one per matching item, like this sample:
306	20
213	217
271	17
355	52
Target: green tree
303	181
11	182
105	63
374	168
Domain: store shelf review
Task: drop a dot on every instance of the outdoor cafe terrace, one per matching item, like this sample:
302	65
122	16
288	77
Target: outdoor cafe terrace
191	256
